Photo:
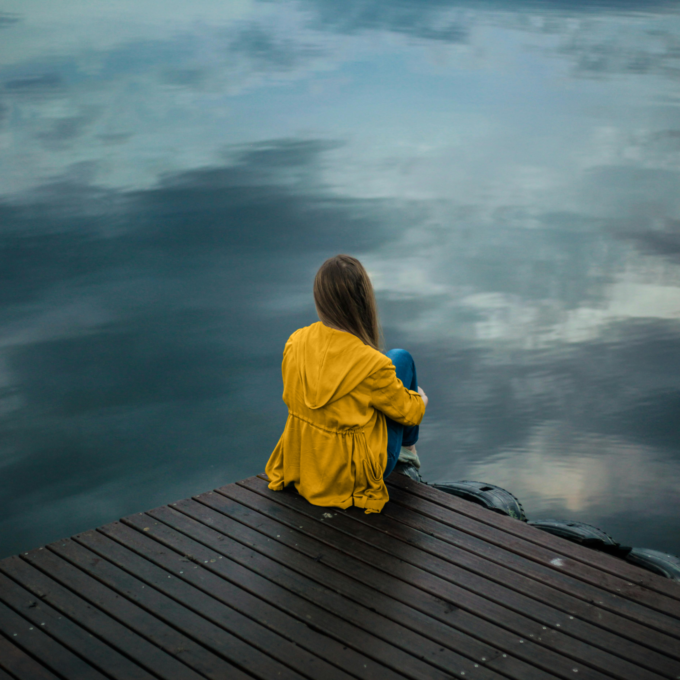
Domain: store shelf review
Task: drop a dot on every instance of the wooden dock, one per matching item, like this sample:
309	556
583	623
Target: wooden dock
244	583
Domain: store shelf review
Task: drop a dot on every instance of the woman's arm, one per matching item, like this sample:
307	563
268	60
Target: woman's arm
389	395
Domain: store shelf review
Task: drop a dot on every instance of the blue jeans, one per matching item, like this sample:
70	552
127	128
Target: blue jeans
399	435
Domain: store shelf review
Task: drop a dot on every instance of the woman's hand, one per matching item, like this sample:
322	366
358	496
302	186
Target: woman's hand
421	392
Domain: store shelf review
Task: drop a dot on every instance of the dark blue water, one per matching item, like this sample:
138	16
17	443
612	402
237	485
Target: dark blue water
172	174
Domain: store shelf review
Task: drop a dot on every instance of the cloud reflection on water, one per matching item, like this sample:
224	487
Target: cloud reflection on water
582	476
135	345
508	174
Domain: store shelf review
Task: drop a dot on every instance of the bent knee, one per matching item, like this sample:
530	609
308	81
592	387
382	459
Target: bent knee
401	359
399	354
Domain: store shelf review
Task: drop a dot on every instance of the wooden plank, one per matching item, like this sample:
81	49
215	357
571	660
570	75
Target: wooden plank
229	591
516	622
98	654
15	661
440	620
247	583
234	651
137	648
466	552
3	675
388	593
423	660
269	643
34	641
262	577
192	659
357	525
572	576
424	516
598	560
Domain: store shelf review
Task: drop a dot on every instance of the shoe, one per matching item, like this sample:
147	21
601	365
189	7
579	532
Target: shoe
408	456
408	470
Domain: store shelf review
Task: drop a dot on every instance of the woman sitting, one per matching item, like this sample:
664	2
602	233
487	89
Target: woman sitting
352	410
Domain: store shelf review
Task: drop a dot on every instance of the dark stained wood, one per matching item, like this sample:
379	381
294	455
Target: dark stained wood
15	661
541	562
120	637
325	593
207	637
357	525
3	675
244	583
281	586
536	635
440	620
260	642
227	585
187	654
77	639
34	641
602	562
414	512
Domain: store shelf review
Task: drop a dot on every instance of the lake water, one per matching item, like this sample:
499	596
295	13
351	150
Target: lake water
172	174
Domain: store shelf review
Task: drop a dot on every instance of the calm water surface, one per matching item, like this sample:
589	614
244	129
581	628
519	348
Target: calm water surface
172	174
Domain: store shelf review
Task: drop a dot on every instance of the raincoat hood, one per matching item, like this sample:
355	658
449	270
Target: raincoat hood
332	363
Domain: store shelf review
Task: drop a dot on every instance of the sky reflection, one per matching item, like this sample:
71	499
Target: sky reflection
172	175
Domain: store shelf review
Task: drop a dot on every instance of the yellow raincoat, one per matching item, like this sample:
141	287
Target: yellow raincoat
338	391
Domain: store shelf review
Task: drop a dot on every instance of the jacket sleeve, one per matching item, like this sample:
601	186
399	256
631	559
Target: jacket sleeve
389	395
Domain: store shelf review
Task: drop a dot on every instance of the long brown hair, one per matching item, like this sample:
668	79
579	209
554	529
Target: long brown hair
344	298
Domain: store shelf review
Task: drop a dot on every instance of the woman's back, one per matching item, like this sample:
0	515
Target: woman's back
338	391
